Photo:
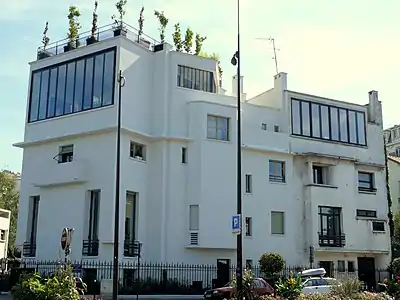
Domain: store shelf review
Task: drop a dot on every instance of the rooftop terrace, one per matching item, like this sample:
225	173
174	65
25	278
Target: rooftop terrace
103	33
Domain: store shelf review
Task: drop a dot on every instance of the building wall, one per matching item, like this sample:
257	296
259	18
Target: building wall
394	182
165	118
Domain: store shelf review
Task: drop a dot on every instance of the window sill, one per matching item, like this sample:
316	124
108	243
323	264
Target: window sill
367	193
316	139
249	237
277	182
137	159
323	185
367	219
219	141
248	194
378	232
278	234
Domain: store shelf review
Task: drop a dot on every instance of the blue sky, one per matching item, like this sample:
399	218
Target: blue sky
338	49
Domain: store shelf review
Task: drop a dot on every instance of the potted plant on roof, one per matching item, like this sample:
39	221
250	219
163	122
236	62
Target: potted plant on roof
74	26
45	41
120	28
92	39
142	40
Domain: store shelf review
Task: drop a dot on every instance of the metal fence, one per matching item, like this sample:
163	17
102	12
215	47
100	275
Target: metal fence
163	278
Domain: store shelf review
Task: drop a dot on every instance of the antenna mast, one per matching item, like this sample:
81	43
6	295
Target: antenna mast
275	58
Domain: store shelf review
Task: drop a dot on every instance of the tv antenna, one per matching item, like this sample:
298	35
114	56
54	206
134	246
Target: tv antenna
275	58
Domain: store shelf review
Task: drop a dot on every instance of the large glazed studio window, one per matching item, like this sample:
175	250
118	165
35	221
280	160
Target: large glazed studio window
327	122
79	84
196	79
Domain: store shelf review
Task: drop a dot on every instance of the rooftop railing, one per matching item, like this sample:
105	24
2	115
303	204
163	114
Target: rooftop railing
103	33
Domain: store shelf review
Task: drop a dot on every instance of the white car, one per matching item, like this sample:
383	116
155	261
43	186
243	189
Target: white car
320	285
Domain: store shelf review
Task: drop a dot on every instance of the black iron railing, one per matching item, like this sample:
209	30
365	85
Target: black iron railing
29	249
103	33
329	240
131	248
90	248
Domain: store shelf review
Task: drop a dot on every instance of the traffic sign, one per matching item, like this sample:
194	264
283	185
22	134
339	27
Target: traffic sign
236	227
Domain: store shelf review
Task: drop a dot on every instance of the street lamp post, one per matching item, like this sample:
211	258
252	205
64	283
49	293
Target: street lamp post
121	83
239	255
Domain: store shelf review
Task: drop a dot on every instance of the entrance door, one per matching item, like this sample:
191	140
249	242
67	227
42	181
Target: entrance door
328	266
366	271
223	271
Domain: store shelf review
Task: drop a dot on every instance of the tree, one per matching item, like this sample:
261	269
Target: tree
188	42
9	199
271	264
177	37
163	24
199	40
389	203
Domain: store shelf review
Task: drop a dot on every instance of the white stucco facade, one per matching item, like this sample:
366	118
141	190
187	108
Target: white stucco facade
165	118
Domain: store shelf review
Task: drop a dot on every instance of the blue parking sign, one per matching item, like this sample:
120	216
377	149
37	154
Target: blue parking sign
236	224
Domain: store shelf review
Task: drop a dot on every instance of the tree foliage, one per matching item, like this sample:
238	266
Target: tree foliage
199	40
9	198
188	42
271	264
163	24
177	37
74	26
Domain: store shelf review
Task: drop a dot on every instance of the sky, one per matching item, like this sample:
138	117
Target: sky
336	49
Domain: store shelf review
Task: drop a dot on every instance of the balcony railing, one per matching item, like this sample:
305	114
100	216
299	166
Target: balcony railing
103	33
90	248
131	248
328	240
29	249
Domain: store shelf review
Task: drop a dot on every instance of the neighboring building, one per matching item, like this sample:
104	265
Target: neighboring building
4	232
313	168
17	178
394	181
392	139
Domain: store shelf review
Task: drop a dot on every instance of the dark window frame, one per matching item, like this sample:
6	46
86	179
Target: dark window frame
249	226
378	226
336	215
370	182
184	155
204	78
347	133
365	213
277	178
74	60
319	174
248	183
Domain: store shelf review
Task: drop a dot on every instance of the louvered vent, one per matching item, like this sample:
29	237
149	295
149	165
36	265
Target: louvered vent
194	238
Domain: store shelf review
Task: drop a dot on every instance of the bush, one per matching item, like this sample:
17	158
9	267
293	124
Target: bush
347	288
248	279
317	296
271	264
395	266
289	288
60	286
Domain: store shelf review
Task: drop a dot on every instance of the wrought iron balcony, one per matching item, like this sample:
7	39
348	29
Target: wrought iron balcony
103	33
329	240
131	248
90	248
29	249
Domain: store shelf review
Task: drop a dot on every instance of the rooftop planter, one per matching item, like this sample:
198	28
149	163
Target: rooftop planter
42	53
120	29
92	38
74	26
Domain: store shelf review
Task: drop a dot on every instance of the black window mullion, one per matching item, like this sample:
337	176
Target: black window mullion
83	85
73	94
301	117
56	94
320	121
102	79
357	138
310	119
330	123
348	125
93	75
48	93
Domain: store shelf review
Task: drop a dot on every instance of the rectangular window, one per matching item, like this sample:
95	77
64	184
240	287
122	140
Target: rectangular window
94	207
366	182
32	219
320	174
378	226
330	227
66	154
248	183
263	126
249	264
276	128
277	171
249	228
218	128
137	151
184	155
350	267
2	235
366	213
4	214
341	266
196	79
82	83
131	217
277	222
326	122
194	217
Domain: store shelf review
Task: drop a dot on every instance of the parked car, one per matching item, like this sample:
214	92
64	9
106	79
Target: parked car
315	282
260	288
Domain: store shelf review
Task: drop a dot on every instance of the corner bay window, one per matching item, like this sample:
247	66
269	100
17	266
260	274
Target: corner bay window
218	128
196	79
327	122
73	86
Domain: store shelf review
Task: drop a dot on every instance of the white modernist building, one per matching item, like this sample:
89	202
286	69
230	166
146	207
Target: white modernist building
313	168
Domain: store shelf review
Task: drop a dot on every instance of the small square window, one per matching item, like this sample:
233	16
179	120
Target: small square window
263	126
184	155
137	151
249	226
66	154
366	182
2	235
217	128
276	171
378	226
320	174
276	128
248	183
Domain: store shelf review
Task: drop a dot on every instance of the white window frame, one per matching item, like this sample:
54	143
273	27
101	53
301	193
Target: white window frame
213	129
274	231
194	217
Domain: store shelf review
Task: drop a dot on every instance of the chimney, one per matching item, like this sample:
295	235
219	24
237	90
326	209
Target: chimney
374	108
280	81
234	87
